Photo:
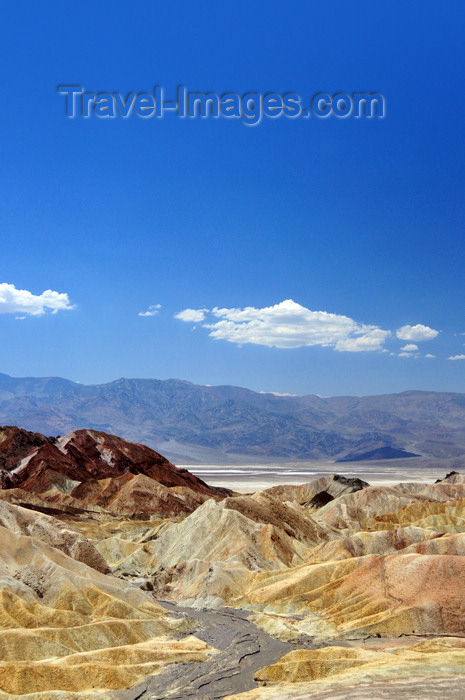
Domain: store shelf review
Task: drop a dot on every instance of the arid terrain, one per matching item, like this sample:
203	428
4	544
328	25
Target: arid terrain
125	577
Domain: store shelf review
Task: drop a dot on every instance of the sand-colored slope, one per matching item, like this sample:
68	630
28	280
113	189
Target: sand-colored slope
65	626
335	672
348	512
262	507
377	595
439	517
51	531
359	544
212	554
363	509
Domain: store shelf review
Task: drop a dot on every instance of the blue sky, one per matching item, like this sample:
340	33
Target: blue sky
359	222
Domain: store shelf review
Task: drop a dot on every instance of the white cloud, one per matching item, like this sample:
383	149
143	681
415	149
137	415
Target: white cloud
289	325
407	354
456	357
371	338
410	347
416	333
21	301
430	356
151	311
193	315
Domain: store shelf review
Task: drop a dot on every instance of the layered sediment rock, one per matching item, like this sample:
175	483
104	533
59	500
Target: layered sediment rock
334	560
429	669
66	626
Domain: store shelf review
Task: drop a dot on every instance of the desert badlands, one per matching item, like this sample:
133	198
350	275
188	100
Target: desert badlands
125	577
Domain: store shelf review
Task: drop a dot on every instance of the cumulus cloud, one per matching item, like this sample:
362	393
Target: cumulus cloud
151	311
456	357
288	325
410	347
430	356
22	301
193	315
416	333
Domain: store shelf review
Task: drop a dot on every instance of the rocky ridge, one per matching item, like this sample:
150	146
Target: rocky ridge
90	469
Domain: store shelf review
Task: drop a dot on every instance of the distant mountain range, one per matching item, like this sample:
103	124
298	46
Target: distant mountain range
225	424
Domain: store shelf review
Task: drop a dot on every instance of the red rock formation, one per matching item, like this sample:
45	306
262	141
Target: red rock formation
103	455
35	463
15	444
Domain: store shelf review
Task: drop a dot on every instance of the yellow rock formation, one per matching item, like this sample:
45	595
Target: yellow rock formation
311	673
65	626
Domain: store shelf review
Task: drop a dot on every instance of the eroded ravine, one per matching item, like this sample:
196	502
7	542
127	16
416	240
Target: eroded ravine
243	650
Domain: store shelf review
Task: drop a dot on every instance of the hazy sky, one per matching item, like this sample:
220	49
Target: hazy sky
298	255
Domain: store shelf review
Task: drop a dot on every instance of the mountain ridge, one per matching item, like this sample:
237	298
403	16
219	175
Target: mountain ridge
212	424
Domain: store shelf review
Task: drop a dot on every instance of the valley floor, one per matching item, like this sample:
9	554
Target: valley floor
247	478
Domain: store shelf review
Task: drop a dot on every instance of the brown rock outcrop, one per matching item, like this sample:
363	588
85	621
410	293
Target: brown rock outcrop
15	444
86	454
326	487
90	470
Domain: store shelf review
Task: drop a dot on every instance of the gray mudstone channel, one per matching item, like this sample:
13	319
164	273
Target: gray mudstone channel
243	650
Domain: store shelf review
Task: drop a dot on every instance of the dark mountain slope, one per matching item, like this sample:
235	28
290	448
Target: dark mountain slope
380	453
210	423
